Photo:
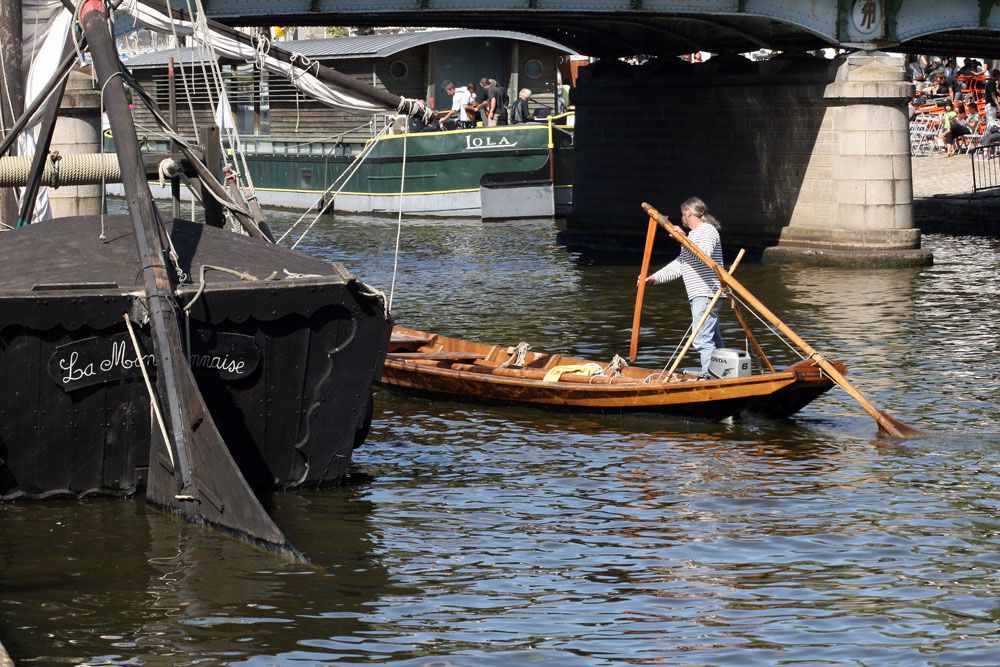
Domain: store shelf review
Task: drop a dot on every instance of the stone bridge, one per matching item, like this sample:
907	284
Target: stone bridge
804	156
612	28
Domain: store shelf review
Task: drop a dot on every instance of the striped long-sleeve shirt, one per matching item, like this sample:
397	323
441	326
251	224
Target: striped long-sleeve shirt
699	280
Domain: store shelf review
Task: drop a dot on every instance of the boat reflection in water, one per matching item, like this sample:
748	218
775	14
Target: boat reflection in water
180	591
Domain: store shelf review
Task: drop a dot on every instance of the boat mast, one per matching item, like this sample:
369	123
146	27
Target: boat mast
194	474
11	92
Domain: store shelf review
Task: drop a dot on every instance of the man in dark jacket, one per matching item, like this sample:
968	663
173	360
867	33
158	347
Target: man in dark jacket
496	104
519	112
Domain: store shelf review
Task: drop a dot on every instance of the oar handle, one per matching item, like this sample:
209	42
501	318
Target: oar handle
641	289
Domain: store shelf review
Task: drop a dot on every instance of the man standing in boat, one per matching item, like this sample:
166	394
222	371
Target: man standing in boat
455	117
700	281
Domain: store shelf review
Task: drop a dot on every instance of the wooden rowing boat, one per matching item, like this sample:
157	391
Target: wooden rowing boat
433	364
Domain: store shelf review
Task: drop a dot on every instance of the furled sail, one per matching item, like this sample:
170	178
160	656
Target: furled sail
44	25
317	82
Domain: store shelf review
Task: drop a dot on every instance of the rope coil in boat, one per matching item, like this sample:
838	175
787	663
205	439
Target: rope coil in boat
517	355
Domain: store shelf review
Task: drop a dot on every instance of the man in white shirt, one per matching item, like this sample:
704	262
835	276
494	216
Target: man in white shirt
700	281
459	98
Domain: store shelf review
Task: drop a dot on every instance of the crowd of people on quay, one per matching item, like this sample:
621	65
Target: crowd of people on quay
955	106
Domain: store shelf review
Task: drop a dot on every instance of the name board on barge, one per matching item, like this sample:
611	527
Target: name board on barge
103	359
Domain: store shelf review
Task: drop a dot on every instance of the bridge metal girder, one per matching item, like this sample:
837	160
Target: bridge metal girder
662	27
816	16
921	18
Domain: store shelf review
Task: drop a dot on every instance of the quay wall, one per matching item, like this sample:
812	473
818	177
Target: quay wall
803	156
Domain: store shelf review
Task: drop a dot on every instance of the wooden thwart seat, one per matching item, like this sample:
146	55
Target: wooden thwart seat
437	356
406	338
401	341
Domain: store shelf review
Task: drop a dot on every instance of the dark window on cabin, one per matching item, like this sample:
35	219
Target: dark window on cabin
247	94
533	68
306	179
265	105
398	69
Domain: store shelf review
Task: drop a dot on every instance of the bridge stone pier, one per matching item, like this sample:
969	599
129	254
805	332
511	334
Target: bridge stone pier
78	130
804	157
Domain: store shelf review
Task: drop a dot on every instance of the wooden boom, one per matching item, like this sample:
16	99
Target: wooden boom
886	424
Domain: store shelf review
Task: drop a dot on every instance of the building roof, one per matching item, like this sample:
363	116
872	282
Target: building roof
185	56
364	46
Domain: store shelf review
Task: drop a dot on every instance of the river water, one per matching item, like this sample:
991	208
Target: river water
485	535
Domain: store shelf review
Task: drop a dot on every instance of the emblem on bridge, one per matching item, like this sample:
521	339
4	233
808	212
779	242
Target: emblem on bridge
867	22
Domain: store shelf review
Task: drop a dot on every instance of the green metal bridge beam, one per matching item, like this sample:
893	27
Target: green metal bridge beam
663	26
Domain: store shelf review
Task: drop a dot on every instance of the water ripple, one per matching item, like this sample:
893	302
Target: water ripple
491	535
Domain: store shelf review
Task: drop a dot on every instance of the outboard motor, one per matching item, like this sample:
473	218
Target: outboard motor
729	363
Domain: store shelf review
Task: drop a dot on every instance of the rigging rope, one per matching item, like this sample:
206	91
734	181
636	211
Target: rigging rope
149	388
768	326
174	257
345	175
670	361
187	91
216	186
242	275
239	156
10	104
399	221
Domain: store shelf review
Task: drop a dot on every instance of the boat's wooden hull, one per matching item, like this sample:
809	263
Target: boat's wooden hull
478	375
285	366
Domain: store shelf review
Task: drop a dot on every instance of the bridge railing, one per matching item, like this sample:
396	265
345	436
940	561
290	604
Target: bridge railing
985	168
564	122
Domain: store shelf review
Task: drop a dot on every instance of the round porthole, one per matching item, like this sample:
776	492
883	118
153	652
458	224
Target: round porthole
533	69
398	69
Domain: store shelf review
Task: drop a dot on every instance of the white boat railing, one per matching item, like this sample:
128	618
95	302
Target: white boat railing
331	145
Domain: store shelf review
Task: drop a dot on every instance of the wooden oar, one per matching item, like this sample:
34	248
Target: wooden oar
198	477
640	291
886	424
704	317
